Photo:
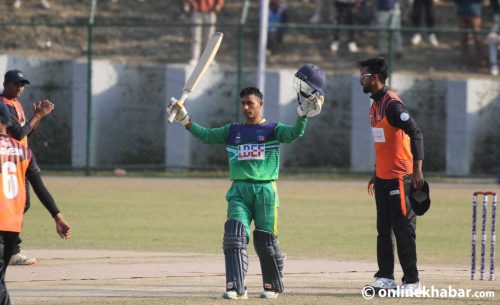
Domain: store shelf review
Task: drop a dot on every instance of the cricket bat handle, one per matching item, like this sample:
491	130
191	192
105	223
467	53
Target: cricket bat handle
179	102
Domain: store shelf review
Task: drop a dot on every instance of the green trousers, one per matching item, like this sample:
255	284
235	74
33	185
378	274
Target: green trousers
254	200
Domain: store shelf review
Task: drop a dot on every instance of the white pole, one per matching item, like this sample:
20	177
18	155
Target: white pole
261	67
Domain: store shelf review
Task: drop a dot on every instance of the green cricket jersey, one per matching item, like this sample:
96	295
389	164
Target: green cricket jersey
253	151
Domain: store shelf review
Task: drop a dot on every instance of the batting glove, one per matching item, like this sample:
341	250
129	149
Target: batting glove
182	115
311	107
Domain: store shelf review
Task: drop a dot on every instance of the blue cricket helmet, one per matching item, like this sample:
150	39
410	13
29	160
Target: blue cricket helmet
313	76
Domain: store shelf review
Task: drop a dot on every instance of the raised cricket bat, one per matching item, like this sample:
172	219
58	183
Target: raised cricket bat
203	63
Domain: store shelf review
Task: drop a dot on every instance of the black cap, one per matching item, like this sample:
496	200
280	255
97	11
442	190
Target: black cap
4	114
420	200
15	76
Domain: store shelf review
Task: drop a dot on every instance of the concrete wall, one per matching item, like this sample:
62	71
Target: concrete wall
472	112
128	117
127	124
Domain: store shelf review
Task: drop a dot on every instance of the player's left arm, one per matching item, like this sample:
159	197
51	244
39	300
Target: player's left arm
289	133
40	110
33	175
399	117
15	129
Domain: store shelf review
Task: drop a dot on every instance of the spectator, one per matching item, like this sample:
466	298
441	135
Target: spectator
365	13
418	7
496	9
469	18
278	14
493	45
345	14
203	12
44	3
389	16
318	6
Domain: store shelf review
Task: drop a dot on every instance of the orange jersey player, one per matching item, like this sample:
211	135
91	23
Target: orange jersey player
20	128
399	153
15	165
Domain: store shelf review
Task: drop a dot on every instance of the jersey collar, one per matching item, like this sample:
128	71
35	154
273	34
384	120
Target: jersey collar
377	96
260	122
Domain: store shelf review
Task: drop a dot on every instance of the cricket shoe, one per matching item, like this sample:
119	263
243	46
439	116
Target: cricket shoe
408	289
233	295
269	294
382	283
21	259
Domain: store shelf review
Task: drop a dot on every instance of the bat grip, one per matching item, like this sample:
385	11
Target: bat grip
172	115
180	102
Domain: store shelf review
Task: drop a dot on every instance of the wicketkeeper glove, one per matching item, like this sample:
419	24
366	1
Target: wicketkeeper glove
182	115
311	107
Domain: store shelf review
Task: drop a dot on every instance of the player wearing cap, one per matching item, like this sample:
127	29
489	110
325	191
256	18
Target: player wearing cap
399	153
16	164
20	128
253	149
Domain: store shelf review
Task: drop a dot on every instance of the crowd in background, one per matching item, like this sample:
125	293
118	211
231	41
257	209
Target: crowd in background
379	13
390	13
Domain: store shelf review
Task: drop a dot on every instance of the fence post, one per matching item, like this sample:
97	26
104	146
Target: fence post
89	87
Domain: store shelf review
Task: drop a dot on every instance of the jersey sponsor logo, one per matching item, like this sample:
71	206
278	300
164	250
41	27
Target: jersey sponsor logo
261	138
405	116
395	192
252	152
378	135
11	151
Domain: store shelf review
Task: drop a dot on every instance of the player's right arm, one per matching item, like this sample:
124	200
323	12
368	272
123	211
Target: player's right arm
209	135
398	116
206	135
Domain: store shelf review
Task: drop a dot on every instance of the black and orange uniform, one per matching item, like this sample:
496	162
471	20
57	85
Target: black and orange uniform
15	164
398	141
20	130
14	159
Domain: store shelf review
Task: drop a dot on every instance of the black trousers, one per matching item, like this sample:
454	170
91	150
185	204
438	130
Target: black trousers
418	7
8	240
394	215
17	248
345	16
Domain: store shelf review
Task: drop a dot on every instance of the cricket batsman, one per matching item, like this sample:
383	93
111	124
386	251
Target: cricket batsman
253	149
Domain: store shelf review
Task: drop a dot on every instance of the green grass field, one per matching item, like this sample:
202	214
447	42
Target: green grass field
320	219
